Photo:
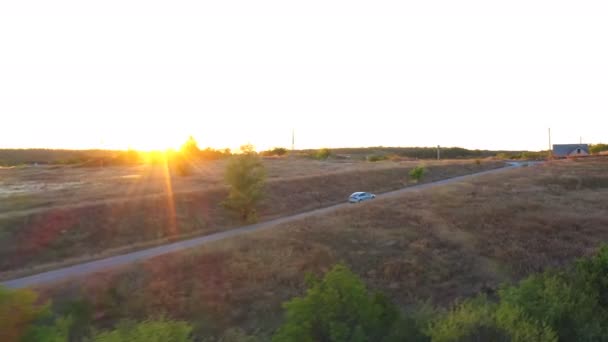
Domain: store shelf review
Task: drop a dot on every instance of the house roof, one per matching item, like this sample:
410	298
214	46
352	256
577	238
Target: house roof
564	150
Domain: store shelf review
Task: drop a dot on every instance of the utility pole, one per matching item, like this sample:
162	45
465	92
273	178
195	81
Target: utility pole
293	139
438	152
550	146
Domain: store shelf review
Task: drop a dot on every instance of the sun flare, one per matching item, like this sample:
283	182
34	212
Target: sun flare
157	142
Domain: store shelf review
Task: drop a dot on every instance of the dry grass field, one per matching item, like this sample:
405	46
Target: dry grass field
52	215
433	245
44	187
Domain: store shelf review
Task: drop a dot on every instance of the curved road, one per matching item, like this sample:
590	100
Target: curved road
83	269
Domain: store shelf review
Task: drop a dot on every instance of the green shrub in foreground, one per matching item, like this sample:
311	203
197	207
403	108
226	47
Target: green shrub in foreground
569	305
478	319
18	310
149	331
338	308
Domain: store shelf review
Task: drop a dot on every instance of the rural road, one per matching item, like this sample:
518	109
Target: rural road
87	268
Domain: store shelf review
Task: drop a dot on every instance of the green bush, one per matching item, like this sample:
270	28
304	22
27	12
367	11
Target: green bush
18	310
504	155
246	176
597	148
523	155
338	308
574	303
190	149
58	330
472	320
478	319
69	321
570	305
417	173
277	151
555	301
322	154
80	314
148	331
213	154
376	157
412	325
534	155
592	275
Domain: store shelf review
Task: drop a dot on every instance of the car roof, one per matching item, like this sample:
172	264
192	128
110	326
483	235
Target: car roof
358	193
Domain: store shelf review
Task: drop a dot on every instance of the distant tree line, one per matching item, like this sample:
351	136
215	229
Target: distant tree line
93	158
597	148
384	153
524	155
275	152
11	157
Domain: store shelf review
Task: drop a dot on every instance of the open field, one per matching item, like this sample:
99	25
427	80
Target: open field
433	245
54	215
44	186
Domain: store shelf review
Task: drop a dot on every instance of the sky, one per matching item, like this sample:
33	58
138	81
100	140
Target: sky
147	74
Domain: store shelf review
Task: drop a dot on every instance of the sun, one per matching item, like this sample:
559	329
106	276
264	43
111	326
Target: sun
157	142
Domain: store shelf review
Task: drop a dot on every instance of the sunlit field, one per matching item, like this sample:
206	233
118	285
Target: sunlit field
56	215
435	246
43	186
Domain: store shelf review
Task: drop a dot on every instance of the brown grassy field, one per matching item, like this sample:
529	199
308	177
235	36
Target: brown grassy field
26	188
433	245
55	215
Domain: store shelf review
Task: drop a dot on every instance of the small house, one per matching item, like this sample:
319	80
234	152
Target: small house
570	150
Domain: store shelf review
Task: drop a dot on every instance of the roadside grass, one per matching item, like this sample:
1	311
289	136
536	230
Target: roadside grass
435	245
44	240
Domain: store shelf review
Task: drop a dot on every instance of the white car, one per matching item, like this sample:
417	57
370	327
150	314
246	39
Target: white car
360	196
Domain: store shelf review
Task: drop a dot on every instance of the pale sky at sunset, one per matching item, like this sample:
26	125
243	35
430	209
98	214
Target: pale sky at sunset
146	74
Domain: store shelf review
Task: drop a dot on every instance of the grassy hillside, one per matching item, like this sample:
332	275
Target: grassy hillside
435	245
